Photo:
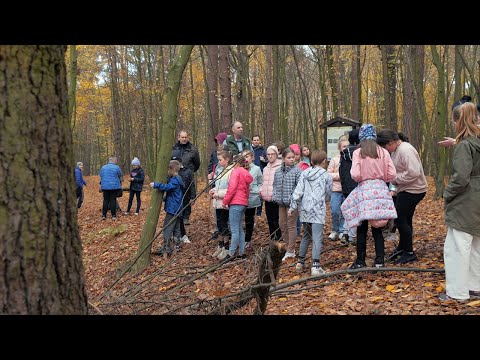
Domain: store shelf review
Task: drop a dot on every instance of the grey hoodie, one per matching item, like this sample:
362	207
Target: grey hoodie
311	193
462	194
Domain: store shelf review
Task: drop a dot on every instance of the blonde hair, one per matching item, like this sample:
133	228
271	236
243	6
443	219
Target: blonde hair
465	117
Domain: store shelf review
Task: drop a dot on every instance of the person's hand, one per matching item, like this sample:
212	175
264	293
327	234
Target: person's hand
225	206
447	142
152	185
262	159
211	192
392	193
290	212
210	176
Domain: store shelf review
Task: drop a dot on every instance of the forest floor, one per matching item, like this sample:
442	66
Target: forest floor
177	286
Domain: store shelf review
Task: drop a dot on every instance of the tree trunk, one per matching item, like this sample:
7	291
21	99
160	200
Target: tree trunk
212	81
175	75
225	89
441	122
41	270
242	90
408	117
116	111
275	101
73	86
268	96
356	84
333	79
389	86
211	131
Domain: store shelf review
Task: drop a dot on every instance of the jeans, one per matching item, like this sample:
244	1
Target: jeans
311	232
235	216
338	222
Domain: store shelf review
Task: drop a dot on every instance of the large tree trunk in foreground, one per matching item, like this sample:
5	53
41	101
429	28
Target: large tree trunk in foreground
41	271
175	74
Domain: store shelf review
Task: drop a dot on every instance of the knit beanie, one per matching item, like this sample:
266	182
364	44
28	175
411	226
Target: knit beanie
367	131
295	148
135	161
274	148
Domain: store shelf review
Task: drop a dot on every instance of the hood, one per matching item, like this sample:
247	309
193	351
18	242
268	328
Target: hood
347	153
313	173
474	142
221	138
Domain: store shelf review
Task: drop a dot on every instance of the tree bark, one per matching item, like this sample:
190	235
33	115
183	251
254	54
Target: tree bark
73	85
268	95
175	75
389	86
225	89
42	270
333	79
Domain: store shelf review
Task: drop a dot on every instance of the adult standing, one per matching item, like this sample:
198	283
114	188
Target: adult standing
461	251
79	183
260	160
186	151
236	142
411	187
111	183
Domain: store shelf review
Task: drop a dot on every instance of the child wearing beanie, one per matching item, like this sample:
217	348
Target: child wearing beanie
136	179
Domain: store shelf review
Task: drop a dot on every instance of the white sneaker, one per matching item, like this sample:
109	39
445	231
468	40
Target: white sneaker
185	239
317	270
218	251
299	266
136	214
223	254
289	255
333	236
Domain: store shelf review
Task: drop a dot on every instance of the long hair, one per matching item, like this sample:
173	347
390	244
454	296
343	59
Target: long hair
465	117
369	148
386	135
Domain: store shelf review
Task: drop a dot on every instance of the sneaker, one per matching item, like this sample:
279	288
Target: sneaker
185	239
445	297
247	245
406	258
241	257
186	221
104	218
215	234
352	241
223	254
289	255
379	265
126	213
474	294
159	252
299	267
218	251
136	214
114	218
358	264
344	239
395	254
316	270
333	236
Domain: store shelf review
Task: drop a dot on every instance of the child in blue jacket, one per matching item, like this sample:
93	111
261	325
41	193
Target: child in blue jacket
173	204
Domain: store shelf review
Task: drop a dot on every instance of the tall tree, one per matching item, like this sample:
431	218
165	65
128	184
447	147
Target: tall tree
356	84
73	85
268	95
332	78
389	85
212	83
225	89
280	131
41	271
441	121
175	74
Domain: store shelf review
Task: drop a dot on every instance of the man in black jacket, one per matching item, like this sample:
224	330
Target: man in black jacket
186	151
348	184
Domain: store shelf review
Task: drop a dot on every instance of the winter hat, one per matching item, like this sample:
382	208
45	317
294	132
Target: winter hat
295	148
79	164
135	161
274	148
220	138
367	131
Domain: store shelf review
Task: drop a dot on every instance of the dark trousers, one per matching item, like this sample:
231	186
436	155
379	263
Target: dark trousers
109	202
222	221
271	210
190	195
405	205
249	223
172	229
259	208
79	193
362	243
130	200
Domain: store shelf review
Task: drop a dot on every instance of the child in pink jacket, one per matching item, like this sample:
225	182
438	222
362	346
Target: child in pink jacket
236	200
371	201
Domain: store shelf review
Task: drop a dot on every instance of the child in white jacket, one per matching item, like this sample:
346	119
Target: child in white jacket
312	191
